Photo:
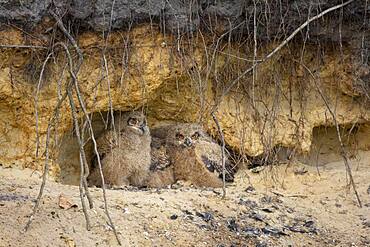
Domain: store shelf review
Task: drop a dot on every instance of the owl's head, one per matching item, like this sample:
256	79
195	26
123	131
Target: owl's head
134	122
185	135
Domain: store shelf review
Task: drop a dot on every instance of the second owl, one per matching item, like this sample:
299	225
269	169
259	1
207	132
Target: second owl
187	153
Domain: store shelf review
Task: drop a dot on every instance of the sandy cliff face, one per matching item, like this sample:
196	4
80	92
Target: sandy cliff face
145	68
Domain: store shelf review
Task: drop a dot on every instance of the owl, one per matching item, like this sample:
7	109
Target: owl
161	169
124	152
190	155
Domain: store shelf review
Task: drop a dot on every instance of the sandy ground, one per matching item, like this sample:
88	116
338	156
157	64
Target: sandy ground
286	205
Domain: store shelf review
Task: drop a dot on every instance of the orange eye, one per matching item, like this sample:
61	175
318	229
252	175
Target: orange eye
195	136
179	136
133	121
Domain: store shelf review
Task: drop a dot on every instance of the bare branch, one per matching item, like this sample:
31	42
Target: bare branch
342	149
222	154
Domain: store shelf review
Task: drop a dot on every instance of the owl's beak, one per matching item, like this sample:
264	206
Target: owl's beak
188	142
143	128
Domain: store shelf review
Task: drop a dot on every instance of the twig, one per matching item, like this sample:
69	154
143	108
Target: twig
77	131
85	171
36	103
24	46
222	155
46	164
343	151
82	152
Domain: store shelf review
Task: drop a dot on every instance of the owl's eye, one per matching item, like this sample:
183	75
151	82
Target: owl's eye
132	121
179	136
195	136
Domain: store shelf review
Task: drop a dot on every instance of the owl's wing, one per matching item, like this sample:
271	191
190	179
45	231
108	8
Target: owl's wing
160	160
216	167
105	143
210	155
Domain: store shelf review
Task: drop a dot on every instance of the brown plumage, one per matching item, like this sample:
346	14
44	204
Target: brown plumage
193	157
161	169
124	152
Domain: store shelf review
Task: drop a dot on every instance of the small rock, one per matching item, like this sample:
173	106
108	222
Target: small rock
267	210
256	216
290	210
300	171
248	203
206	216
366	223
187	212
296	228
266	199
261	244
272	231
368	190
250	231
173	217
250	189
232	225
309	223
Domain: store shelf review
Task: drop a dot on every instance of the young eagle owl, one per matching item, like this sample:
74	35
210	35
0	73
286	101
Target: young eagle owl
193	157
124	152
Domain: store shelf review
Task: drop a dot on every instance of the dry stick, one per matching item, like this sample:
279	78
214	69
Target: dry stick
222	155
24	46
97	155
36	103
74	78
254	51
85	171
77	131
343	151
273	52
46	165
74	43
281	45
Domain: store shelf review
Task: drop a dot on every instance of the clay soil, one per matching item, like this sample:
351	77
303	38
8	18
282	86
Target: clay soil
286	205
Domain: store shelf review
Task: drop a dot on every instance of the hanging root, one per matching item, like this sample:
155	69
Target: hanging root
342	149
84	165
222	154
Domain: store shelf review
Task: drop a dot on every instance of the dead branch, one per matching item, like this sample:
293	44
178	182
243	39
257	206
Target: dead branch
84	165
85	171
36	103
222	154
343	151
51	123
82	157
24	46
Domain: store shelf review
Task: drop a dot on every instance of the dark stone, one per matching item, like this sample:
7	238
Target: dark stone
248	203
366	223
256	216
187	212
173	217
232	225
250	189
6	197
267	210
251	231
206	216
273	231
261	244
